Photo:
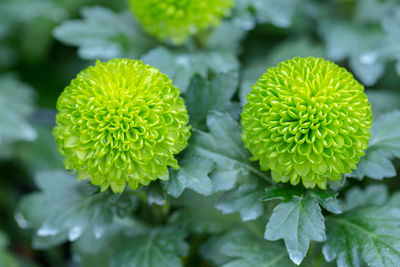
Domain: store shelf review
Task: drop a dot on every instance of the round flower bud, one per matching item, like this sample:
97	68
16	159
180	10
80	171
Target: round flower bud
121	122
178	19
307	119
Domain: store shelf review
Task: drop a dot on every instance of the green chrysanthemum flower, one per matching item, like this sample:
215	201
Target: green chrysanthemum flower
121	122
307	119
178	19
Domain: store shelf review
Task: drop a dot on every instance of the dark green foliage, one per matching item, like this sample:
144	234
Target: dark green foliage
219	208
371	232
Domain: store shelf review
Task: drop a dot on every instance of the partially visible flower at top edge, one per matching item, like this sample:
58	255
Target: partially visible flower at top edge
176	20
120	122
307	120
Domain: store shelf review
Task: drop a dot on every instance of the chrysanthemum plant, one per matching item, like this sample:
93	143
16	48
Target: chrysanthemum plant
174	171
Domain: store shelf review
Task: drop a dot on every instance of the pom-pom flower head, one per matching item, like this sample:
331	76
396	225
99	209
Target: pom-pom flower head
307	119
178	19
121	122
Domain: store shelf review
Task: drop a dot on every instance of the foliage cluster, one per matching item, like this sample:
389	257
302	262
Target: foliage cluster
219	208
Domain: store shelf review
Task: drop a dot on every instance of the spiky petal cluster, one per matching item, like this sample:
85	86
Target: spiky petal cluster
307	119
178	19
121	122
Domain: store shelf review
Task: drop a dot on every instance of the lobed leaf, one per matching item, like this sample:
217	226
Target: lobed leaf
373	195
277	12
244	198
193	173
158	247
103	34
181	64
249	250
130	243
298	219
372	232
383	146
203	96
297	222
16	106
197	214
223	146
388	47
344	39
383	101
66	208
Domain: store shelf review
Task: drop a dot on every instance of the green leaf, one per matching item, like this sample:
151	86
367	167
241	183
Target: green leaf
66	208
245	199
198	214
376	164
130	243
387	48
103	34
326	198
224	146
91	251
367	73
182	64
282	192
210	250
381	10
277	12
344	39
373	195
204	220
155	194
157	247
298	219
193	174
373	231
251	251
297	222
383	101
16	106
229	34
27	11
203	96
383	146
40	154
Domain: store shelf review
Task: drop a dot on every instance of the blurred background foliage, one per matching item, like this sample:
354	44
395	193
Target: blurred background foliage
45	43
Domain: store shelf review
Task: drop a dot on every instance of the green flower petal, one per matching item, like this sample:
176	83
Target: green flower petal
121	122
178	19
307	119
